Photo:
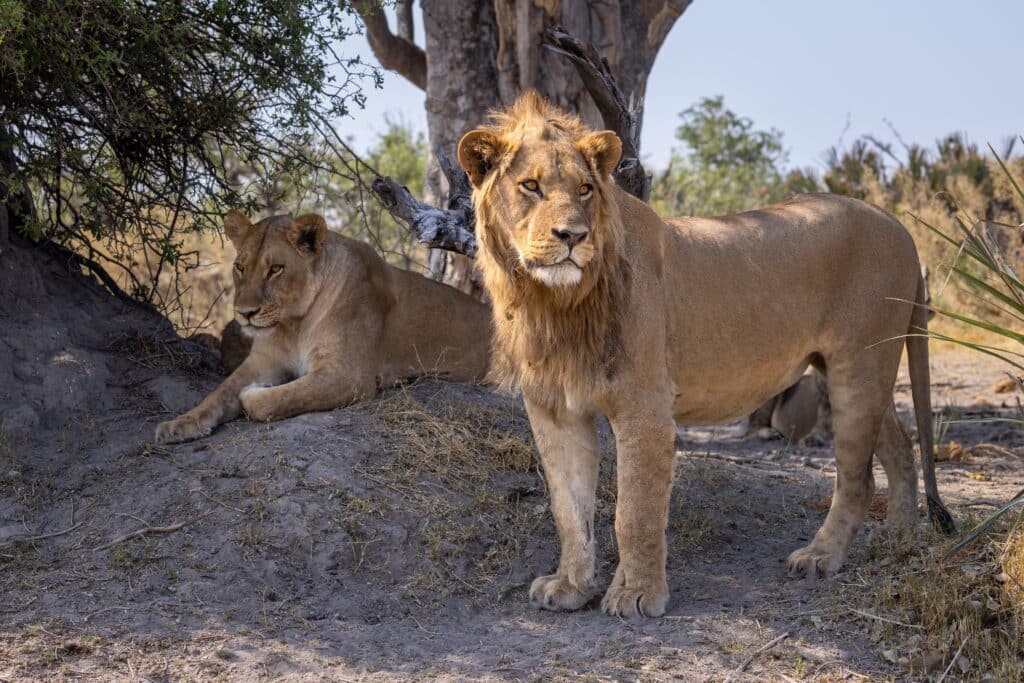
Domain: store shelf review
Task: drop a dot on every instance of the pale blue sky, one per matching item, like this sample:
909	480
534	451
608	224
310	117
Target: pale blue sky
809	68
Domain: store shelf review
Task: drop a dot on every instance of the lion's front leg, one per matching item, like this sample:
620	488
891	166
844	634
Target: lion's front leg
569	453
645	444
319	390
220	406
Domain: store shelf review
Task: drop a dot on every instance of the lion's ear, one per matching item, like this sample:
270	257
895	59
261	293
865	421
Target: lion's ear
308	232
479	152
602	149
237	226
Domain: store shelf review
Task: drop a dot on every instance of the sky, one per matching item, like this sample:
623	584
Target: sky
823	72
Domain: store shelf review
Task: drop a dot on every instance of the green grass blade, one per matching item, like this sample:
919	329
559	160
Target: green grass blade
981	348
1009	175
1012	308
981	324
977	531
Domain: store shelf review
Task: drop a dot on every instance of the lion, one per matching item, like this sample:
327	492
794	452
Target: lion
798	413
601	306
329	322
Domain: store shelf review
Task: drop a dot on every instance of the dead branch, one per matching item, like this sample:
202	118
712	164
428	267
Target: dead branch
450	229
396	53
619	117
138	533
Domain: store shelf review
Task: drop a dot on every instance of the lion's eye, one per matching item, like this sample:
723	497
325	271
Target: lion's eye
274	270
530	185
239	268
585	189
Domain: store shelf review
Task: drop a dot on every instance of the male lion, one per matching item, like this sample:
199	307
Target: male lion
329	321
599	305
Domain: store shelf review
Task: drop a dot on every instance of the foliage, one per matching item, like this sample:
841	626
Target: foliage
724	165
401	153
199	299
133	122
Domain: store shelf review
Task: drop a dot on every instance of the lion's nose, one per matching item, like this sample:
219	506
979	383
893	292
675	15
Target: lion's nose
248	313
570	237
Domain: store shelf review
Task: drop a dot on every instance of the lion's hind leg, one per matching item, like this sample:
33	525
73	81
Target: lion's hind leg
859	396
894	451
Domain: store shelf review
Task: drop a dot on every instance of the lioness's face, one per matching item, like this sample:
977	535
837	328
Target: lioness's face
546	193
273	270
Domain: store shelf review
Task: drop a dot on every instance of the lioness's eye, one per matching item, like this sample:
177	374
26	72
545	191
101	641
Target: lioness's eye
274	270
530	185
239	267
586	189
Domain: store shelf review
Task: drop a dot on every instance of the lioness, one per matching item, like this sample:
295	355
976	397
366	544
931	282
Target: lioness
601	306
329	321
797	412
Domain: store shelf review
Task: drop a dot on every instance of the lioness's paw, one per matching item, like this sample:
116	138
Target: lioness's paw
184	428
254	400
558	594
813	562
624	601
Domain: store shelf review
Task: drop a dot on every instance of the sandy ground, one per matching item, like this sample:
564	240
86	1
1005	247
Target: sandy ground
394	539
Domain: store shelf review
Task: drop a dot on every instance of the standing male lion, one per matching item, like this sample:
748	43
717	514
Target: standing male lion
601	306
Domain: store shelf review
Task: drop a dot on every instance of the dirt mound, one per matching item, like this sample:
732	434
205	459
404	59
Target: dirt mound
69	343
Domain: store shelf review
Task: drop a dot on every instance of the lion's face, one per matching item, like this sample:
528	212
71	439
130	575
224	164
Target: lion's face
274	268
543	186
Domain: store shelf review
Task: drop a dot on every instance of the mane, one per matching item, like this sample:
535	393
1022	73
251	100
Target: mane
550	343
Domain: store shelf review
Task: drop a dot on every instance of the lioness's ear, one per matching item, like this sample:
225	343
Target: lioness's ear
308	232
237	226
479	152
603	149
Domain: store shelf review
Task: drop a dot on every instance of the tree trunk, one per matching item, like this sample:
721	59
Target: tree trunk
481	54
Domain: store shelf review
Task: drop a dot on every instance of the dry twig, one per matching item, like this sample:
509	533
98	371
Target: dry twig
29	539
749	660
154	530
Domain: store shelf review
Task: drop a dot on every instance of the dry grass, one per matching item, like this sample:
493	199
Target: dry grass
444	465
944	605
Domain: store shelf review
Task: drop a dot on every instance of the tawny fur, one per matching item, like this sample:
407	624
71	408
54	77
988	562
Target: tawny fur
330	321
698	320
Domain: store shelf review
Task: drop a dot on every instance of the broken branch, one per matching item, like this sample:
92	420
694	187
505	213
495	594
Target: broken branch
618	115
450	229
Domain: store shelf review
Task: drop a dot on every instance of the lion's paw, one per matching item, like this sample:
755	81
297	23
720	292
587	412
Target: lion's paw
254	400
184	428
624	601
813	562
558	594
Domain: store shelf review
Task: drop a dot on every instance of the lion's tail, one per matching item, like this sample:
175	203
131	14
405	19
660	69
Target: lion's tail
920	386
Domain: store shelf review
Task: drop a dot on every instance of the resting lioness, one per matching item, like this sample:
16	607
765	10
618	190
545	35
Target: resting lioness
329	321
601	306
